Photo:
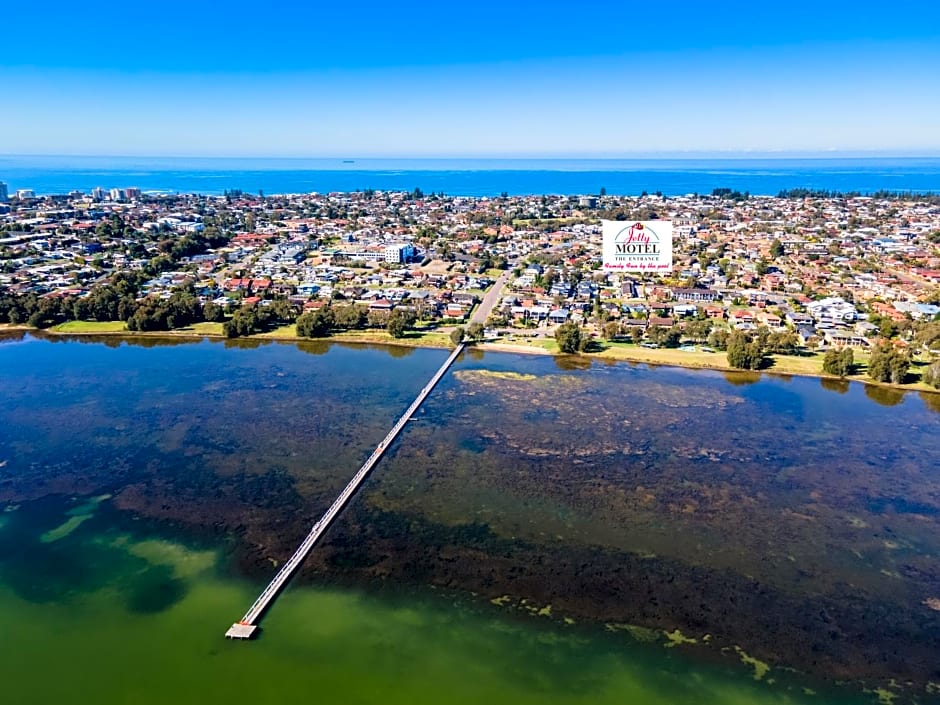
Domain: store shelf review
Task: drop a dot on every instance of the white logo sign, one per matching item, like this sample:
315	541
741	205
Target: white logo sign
637	246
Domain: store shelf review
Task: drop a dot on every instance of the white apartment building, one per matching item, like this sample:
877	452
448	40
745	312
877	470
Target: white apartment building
399	253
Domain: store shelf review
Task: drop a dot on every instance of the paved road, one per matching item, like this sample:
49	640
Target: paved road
489	301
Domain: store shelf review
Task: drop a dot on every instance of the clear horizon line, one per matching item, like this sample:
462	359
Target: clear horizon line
541	156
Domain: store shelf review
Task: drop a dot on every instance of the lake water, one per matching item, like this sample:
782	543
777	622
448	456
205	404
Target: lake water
545	530
471	177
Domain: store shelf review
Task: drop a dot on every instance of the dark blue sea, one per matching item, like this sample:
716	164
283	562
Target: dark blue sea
471	177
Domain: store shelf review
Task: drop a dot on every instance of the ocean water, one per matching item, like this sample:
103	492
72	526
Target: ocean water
470	177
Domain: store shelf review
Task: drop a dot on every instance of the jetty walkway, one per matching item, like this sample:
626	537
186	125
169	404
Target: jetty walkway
246	627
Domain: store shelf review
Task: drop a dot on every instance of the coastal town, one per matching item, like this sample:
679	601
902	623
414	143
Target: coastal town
806	274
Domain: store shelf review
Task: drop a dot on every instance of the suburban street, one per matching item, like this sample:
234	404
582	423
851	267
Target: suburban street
490	299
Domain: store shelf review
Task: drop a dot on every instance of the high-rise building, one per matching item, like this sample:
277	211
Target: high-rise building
132	194
117	195
98	193
399	253
4	194
25	194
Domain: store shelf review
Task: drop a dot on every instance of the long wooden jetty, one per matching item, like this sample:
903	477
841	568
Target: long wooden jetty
247	626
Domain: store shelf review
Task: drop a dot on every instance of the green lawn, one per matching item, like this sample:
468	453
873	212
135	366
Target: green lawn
786	364
547	344
288	331
661	356
90	327
412	338
203	329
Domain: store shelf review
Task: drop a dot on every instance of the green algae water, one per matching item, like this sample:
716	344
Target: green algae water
543	531
108	637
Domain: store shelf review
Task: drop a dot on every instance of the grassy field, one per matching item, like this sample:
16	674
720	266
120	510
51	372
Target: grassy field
786	364
414	338
203	329
288	332
103	327
90	327
537	344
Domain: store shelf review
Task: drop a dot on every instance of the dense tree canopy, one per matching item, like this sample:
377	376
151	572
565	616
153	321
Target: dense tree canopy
569	337
888	364
839	362
475	331
932	374
666	337
316	324
399	322
745	351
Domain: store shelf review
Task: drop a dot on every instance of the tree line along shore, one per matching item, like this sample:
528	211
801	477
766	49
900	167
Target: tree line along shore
838	366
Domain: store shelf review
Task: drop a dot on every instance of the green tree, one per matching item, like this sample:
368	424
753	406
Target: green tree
377	319
457	335
928	334
611	330
245	321
783	342
888	328
349	317
315	324
698	330
396	327
932	375
888	364
284	311
839	362
475	331
665	337
744	351
776	248
399	322
718	338
568	336
213	313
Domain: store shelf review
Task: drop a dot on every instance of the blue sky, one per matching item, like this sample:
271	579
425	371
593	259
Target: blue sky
481	79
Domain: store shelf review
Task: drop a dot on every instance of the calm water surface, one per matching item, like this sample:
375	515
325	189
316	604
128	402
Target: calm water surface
472	177
545	530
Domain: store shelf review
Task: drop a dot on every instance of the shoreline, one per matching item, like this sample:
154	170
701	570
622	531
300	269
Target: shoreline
615	354
647	357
